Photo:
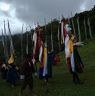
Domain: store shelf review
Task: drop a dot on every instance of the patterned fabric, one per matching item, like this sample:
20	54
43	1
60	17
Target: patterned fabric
78	61
73	58
43	62
67	44
63	31
37	44
46	62
71	46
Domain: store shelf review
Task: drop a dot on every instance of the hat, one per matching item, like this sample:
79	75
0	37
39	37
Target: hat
38	28
68	28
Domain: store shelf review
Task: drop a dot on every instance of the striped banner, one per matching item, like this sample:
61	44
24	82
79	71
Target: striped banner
3	43
51	37
62	32
11	59
73	26
27	43
90	32
79	34
5	40
45	72
22	43
85	29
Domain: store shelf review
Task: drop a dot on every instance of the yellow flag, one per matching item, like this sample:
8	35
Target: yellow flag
71	46
11	59
44	56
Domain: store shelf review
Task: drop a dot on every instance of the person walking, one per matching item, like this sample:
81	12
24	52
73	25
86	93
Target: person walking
28	70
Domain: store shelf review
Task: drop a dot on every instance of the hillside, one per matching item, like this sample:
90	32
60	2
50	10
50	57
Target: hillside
61	83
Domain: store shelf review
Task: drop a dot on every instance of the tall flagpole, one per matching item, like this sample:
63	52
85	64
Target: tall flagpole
31	40
27	42
3	43
11	59
51	37
79	34
31	37
90	33
73	23
62	31
45	31
11	42
85	29
22	43
5	40
58	35
73	26
45	69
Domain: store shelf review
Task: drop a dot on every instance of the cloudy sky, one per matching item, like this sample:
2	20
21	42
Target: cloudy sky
29	12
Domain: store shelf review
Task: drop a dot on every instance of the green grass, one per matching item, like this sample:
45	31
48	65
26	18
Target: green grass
61	84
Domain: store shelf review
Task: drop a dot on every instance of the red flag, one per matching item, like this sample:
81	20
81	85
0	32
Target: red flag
37	43
63	30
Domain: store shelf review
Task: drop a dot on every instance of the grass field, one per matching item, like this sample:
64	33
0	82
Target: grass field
61	84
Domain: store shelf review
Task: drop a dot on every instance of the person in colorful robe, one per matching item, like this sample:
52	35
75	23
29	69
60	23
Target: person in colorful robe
45	63
37	44
73	59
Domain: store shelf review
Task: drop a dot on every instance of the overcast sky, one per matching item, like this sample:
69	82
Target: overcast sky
29	12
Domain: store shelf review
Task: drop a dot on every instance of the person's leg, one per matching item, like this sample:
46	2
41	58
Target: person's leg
78	80
13	83
46	79
23	86
75	78
30	83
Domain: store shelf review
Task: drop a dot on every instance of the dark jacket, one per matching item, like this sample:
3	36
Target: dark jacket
12	75
28	68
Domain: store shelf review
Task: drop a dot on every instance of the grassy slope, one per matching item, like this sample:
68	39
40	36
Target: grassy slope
61	83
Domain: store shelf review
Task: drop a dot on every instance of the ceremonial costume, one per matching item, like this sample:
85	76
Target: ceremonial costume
43	62
73	59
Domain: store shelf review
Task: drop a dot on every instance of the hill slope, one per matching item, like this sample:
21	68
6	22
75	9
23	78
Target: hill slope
61	83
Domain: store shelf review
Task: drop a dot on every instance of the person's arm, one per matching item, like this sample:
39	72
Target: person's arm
78	44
